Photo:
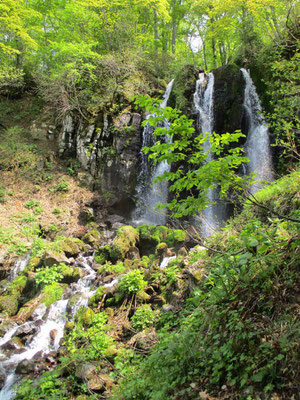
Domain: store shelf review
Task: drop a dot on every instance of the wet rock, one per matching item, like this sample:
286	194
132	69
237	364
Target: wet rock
168	308
2	377
117	225
53	334
113	219
25	330
25	367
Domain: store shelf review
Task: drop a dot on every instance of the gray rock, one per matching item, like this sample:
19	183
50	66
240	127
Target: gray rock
25	367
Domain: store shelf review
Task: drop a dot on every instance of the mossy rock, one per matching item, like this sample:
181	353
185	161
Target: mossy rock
52	257
93	238
70	274
17	287
150	237
9	304
34	263
72	246
184	88
52	293
28	308
176	237
126	238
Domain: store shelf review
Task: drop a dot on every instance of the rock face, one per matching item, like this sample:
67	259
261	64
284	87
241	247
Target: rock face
108	149
228	99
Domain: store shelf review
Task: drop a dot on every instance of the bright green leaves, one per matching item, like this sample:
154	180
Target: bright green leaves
195	177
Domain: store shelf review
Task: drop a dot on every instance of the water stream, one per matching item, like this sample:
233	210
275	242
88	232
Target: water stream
257	146
212	216
45	321
149	194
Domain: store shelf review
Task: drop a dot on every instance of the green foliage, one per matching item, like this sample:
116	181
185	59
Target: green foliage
233	330
190	188
48	275
61	186
143	317
94	337
132	283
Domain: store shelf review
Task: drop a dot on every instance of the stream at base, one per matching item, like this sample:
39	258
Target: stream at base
47	323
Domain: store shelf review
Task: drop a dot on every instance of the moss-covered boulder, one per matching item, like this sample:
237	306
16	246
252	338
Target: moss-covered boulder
52	293
93	238
52	257
72	246
126	239
70	274
35	262
17	287
9	304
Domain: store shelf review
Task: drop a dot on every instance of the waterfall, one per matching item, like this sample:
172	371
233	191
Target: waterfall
203	103
149	194
257	145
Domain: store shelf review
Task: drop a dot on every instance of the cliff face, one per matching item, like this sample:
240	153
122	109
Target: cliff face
108	150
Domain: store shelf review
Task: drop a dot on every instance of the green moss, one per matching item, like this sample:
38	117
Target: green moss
72	246
69	274
34	262
93	238
85	316
9	304
282	195
126	238
52	293
17	286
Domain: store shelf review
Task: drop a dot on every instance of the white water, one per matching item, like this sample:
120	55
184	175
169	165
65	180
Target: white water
55	320
257	146
203	103
19	267
165	262
149	194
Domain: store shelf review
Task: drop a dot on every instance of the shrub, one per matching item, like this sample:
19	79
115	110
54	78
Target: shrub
48	275
133	282
143	317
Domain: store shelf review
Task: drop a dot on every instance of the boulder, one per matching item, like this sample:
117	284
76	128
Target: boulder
9	304
52	257
25	367
93	238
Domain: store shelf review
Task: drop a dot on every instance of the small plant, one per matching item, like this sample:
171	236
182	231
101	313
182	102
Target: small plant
56	211
48	275
31	204
62	186
133	282
143	317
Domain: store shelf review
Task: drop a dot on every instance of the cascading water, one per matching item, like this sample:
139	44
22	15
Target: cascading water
149	194
257	146
203	103
44	321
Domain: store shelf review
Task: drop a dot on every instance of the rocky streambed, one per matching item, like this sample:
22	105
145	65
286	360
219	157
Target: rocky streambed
73	293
